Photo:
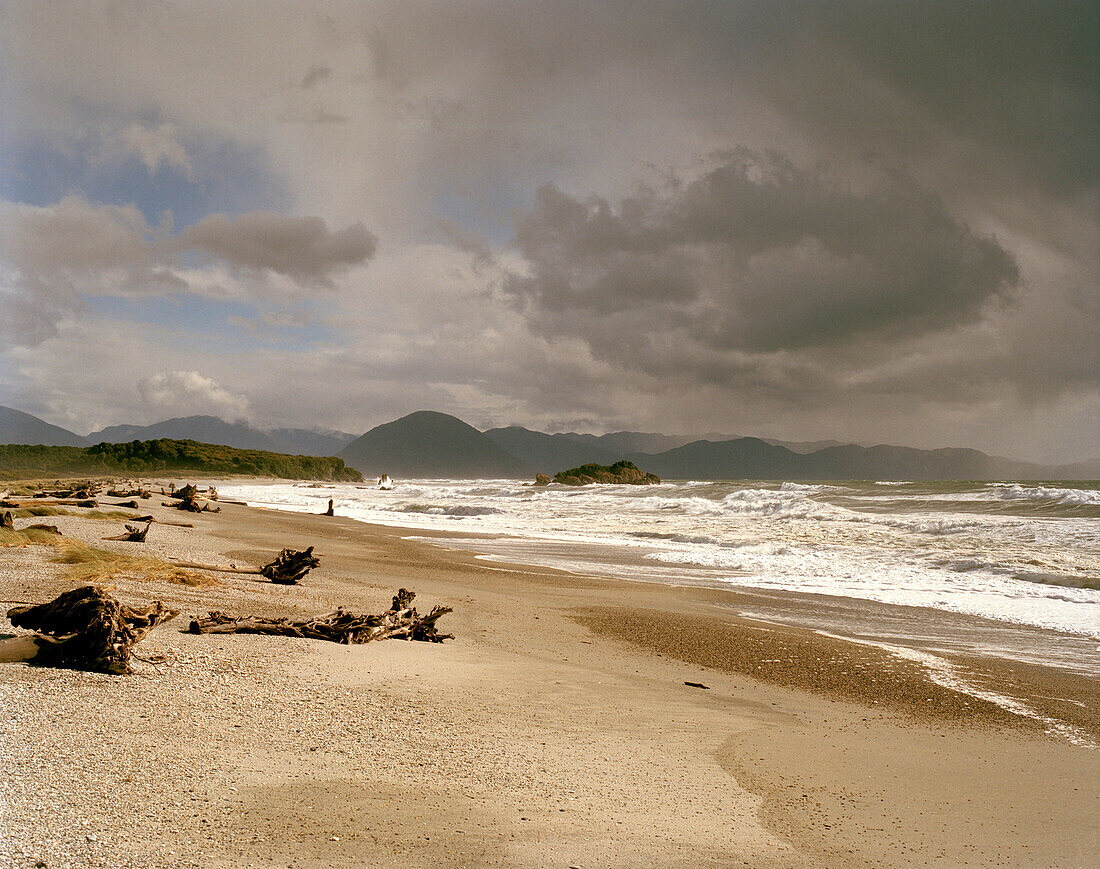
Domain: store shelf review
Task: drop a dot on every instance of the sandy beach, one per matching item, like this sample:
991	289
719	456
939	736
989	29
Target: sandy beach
556	729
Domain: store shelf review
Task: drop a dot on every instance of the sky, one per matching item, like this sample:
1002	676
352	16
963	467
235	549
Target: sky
866	221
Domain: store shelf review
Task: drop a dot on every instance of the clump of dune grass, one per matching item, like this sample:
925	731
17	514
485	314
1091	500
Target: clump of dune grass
27	512
28	537
24	512
91	564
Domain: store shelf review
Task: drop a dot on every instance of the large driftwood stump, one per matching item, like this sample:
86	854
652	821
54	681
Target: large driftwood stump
133	534
85	629
400	621
290	566
287	569
6	520
188	499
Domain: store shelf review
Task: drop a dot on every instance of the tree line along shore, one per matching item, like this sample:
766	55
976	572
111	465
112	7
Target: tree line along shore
20	461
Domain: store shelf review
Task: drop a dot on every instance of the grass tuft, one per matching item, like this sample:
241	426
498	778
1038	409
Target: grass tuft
28	537
91	564
29	512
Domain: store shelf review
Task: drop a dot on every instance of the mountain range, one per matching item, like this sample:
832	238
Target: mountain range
17	427
431	444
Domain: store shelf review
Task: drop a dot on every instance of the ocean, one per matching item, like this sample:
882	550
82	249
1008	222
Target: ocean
886	562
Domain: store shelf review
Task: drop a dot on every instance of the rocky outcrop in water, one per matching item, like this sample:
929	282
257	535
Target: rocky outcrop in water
622	472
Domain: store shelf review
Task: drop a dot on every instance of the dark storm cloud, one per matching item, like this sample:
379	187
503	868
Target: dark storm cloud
755	255
1016	81
302	248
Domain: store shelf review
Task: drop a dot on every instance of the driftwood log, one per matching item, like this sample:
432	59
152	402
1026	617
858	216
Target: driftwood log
400	621
80	493
129	493
163	521
287	569
6	520
39	526
290	566
133	534
50	502
188	499
83	629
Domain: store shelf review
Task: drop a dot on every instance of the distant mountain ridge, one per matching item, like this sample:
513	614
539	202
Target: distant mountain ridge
212	430
753	458
17	427
431	444
428	444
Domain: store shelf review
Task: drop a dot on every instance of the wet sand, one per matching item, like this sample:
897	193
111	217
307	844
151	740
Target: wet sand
556	729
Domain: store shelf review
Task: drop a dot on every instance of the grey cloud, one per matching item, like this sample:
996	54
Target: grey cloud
753	256
302	248
53	256
33	309
316	74
74	234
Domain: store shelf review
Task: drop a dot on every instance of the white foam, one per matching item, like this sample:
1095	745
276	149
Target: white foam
776	536
1016	492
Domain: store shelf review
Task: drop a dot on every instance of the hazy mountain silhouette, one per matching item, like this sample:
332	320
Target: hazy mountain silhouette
307	442
753	458
795	446
17	427
212	430
741	458
550	453
620	443
430	444
204	429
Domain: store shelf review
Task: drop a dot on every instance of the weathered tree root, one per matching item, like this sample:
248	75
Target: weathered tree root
290	566
188	499
287	569
400	621
85	629
133	535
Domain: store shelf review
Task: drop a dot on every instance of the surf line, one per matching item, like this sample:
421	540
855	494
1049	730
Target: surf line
942	672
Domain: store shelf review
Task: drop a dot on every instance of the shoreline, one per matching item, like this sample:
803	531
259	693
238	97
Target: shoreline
940	580
556	729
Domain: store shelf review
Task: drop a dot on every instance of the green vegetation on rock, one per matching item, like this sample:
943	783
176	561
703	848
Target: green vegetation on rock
621	472
159	456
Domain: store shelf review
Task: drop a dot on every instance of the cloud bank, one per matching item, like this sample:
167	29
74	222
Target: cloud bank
858	220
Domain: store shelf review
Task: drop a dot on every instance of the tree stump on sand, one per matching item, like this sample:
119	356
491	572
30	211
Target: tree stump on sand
400	621
85	629
6	520
330	511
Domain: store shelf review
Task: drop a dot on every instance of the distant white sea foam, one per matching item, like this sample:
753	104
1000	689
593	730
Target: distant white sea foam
924	545
1016	492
